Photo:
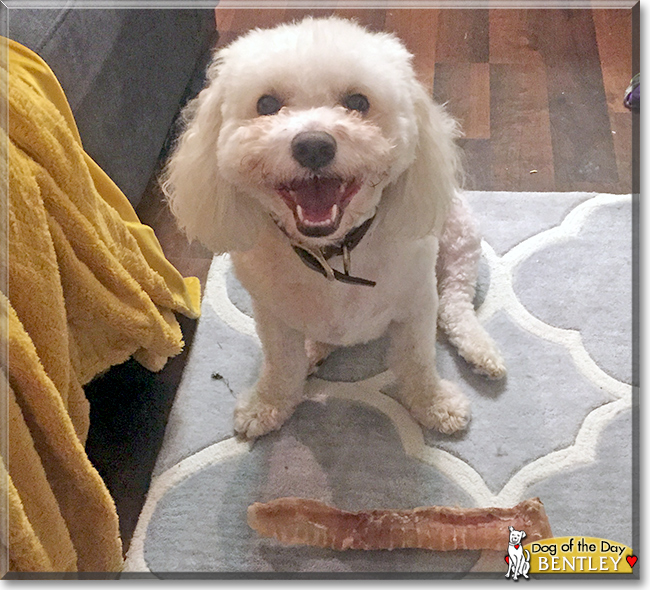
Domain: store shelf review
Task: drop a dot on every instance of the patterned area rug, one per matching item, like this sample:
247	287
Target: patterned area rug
555	292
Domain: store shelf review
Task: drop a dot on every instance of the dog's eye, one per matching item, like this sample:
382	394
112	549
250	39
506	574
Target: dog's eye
356	102
268	105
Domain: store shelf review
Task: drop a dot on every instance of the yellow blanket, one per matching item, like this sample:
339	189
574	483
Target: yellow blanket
88	287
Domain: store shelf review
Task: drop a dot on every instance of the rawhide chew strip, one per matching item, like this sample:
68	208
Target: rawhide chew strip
300	521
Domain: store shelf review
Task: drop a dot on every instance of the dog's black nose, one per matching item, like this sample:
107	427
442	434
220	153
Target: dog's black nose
313	149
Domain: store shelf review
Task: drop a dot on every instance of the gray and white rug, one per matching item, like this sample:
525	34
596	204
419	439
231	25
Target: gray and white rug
556	294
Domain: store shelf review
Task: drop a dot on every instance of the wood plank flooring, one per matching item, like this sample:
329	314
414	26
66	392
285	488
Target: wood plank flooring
539	96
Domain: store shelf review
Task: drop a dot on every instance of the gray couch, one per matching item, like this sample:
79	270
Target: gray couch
126	74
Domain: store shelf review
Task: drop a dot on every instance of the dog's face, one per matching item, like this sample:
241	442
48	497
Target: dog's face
516	536
318	118
318	126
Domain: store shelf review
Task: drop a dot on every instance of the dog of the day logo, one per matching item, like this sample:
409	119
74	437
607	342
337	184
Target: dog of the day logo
567	555
518	558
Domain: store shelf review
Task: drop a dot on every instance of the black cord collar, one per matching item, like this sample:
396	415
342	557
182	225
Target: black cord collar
316	258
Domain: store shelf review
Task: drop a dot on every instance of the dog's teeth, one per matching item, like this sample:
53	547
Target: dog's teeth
334	211
301	213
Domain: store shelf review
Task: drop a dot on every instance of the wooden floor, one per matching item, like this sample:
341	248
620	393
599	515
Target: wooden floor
538	94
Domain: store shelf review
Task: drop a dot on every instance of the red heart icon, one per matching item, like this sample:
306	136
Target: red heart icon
507	559
631	559
516	546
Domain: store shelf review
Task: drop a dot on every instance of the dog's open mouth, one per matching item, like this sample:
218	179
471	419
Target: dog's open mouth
318	203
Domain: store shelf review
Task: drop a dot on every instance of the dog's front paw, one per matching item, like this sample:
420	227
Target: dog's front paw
254	417
447	410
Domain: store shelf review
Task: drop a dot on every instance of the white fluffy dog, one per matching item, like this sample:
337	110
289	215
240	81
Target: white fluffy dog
315	157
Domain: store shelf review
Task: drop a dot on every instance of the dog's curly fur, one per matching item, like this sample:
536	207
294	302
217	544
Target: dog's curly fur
302	133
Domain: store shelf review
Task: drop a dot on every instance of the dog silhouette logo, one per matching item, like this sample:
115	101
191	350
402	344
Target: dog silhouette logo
518	558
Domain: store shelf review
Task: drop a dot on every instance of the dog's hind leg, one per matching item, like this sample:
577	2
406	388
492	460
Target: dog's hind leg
526	564
457	271
317	352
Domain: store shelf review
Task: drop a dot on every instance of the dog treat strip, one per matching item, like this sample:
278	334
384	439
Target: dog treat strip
299	521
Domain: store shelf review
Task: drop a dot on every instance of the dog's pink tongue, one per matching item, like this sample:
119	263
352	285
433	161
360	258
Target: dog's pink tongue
316	197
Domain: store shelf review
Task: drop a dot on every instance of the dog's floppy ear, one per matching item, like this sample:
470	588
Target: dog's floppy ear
419	201
206	206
